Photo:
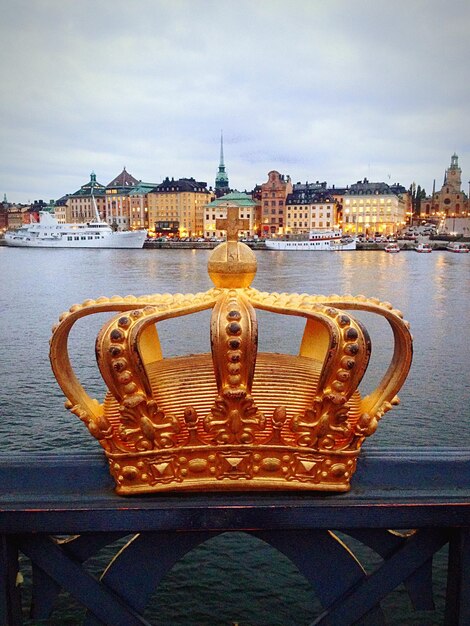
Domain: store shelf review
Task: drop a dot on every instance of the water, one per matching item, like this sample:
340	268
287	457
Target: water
431	290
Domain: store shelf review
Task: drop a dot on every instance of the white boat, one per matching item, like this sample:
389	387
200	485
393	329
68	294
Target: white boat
424	248
48	233
316	240
455	246
392	248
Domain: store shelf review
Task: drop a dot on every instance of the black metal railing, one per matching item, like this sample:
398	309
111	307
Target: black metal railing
58	511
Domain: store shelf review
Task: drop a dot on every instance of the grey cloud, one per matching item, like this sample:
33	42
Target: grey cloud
333	90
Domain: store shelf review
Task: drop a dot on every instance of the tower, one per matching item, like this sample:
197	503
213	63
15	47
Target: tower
453	178
221	179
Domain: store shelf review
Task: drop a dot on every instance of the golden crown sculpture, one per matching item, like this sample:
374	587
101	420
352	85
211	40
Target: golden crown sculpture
235	419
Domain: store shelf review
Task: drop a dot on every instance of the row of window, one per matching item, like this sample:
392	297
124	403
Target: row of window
273	211
373	201
274	203
364	218
305	215
82	238
314	207
312	225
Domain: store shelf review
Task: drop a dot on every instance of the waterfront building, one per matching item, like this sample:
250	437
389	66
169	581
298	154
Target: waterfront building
180	203
118	205
16	215
138	205
310	206
449	206
80	206
62	209
274	193
217	209
222	186
374	208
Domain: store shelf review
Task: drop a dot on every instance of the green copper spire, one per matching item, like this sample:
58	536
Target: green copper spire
221	179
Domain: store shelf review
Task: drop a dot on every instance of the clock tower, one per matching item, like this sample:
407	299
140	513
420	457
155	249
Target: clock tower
453	178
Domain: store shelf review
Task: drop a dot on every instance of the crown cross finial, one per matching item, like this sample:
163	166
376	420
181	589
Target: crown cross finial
232	223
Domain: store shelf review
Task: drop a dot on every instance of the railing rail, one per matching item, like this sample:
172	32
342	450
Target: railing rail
424	489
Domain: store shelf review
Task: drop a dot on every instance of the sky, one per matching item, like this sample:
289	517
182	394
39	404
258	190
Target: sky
328	90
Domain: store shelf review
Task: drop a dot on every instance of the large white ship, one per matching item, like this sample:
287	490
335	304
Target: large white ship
316	240
48	233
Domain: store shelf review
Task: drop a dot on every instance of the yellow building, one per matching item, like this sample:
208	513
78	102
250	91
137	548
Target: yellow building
178	204
217	209
374	208
62	211
310	207
80	206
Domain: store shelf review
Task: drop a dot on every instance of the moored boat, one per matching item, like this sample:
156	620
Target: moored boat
48	233
392	248
456	246
424	248
316	240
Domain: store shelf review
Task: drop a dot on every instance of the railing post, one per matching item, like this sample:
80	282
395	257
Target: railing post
10	596
458	579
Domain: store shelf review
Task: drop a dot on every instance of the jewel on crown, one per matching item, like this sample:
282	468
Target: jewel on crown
235	418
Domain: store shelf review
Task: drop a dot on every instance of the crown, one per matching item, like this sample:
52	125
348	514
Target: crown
234	418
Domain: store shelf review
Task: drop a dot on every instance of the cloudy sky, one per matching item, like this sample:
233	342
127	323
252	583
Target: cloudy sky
333	90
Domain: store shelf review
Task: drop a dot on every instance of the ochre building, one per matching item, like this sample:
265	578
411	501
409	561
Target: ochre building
179	203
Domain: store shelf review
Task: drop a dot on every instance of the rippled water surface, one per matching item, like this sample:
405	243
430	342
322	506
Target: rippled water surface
431	290
260	586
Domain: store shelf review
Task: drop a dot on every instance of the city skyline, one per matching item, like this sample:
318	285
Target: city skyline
322	91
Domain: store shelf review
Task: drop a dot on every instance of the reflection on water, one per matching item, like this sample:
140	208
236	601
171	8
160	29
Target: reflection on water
431	290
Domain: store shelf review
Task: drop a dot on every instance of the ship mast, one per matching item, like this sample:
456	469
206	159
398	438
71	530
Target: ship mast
95	207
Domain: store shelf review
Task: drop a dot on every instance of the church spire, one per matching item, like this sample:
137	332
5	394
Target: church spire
221	179
221	163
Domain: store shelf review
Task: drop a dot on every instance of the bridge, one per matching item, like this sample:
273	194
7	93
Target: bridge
59	510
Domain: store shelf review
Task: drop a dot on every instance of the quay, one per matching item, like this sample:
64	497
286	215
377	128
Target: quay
59	510
260	245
